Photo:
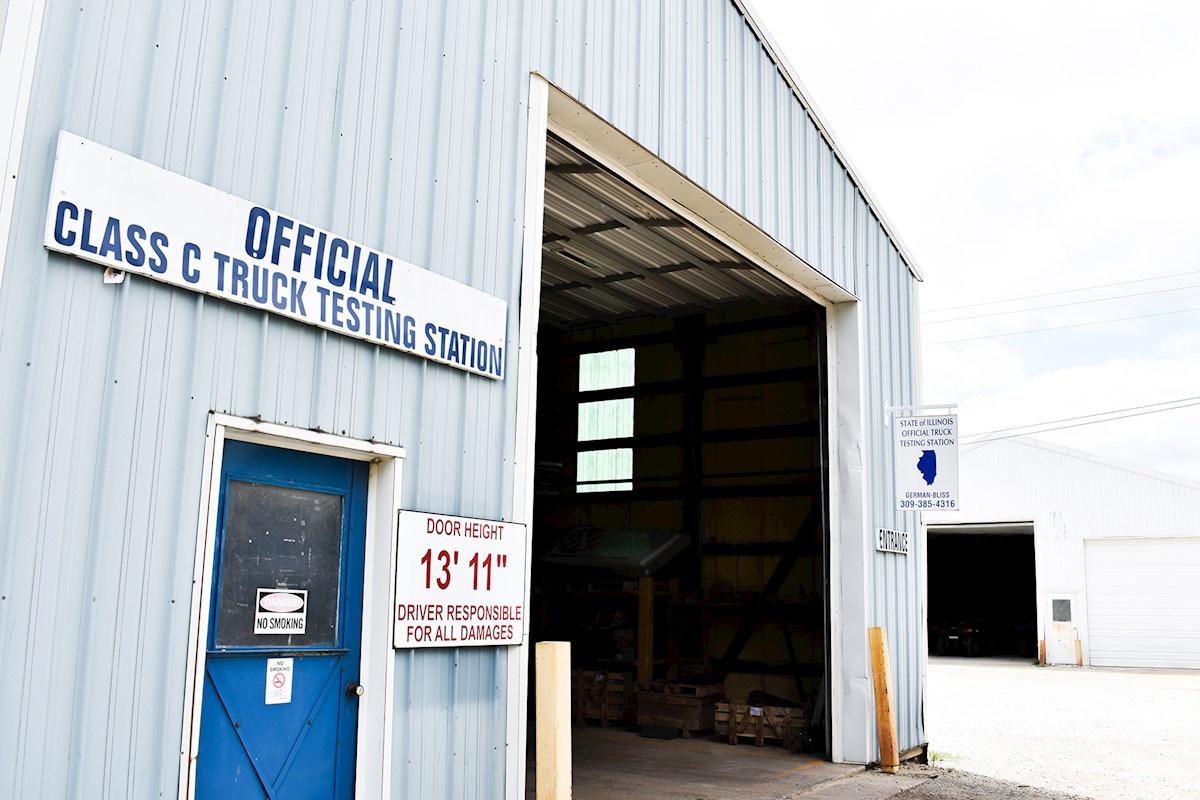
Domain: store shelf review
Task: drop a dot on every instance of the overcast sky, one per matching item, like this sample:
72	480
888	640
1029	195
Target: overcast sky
1032	148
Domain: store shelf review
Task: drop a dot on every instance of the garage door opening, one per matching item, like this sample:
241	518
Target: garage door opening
982	590
680	536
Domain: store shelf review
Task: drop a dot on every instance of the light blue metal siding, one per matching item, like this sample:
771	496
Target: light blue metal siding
397	129
401	125
447	741
718	109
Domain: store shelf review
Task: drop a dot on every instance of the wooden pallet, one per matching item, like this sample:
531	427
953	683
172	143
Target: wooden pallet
604	697
687	707
737	721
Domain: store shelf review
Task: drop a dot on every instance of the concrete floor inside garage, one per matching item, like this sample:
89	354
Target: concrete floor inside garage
614	764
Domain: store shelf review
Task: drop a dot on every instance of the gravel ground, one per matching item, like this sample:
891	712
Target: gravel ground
1107	734
951	784
921	782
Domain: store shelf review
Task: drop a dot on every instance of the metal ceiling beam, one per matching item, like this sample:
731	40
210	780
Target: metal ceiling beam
629	298
582	194
567	169
601	253
582	311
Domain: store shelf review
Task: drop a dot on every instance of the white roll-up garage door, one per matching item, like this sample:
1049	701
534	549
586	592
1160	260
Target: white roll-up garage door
1143	602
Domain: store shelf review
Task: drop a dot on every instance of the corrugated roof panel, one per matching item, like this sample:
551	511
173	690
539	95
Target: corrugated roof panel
627	234
569	209
615	192
634	245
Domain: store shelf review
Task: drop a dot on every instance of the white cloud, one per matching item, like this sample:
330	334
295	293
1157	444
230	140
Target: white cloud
976	369
1180	343
1160	440
1024	148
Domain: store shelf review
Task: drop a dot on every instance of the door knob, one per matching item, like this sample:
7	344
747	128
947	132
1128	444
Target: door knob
354	689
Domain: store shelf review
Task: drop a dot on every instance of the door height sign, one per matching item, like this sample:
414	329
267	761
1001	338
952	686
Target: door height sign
925	451
459	581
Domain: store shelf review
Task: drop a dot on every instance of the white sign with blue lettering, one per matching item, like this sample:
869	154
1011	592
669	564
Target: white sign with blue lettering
926	462
116	210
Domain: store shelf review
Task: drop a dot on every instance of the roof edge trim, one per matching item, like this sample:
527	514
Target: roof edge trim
789	75
1092	458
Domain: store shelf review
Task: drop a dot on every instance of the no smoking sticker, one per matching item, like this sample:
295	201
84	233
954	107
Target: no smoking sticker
279	681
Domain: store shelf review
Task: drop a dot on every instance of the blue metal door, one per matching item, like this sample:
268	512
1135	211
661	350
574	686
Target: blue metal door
280	709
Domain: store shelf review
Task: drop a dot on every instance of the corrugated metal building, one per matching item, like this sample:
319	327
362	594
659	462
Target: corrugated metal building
614	170
1115	550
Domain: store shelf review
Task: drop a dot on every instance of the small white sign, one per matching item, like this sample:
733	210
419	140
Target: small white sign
112	209
889	541
279	681
926	458
281	611
459	581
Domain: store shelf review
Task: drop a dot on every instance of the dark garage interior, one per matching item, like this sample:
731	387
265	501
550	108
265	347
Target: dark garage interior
982	590
680	524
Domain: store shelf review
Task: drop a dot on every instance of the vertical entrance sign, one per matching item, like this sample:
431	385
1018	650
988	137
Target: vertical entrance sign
925	451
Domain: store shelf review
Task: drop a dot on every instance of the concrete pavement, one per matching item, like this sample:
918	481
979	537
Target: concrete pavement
919	782
1106	733
613	764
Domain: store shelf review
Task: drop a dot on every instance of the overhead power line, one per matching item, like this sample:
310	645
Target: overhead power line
1062	305
1012	433
1061	291
1172	403
1063	327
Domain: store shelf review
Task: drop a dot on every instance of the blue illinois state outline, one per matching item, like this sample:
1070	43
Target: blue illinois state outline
927	463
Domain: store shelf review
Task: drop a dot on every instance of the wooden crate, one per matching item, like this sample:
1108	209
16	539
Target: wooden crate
734	721
689	708
604	697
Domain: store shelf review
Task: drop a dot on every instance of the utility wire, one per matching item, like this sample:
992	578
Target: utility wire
1061	291
1076	425
1186	401
1062	305
1063	327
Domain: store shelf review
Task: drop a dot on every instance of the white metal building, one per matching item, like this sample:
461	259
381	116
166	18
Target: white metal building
275	275
1117	549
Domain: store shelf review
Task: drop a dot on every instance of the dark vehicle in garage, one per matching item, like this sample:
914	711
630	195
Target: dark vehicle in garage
970	638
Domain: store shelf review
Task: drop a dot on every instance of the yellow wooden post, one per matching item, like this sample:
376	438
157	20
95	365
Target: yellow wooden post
553	670
885	701
645	652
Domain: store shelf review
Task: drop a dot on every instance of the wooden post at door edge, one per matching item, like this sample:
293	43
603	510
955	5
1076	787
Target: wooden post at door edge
885	701
553	754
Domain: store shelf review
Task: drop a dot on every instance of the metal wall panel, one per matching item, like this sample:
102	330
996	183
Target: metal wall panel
1027	479
401	125
730	122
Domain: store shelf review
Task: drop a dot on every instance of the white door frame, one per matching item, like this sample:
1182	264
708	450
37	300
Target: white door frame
373	767
551	109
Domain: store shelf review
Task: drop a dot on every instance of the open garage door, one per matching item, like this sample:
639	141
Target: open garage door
1143	602
680	536
982	589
